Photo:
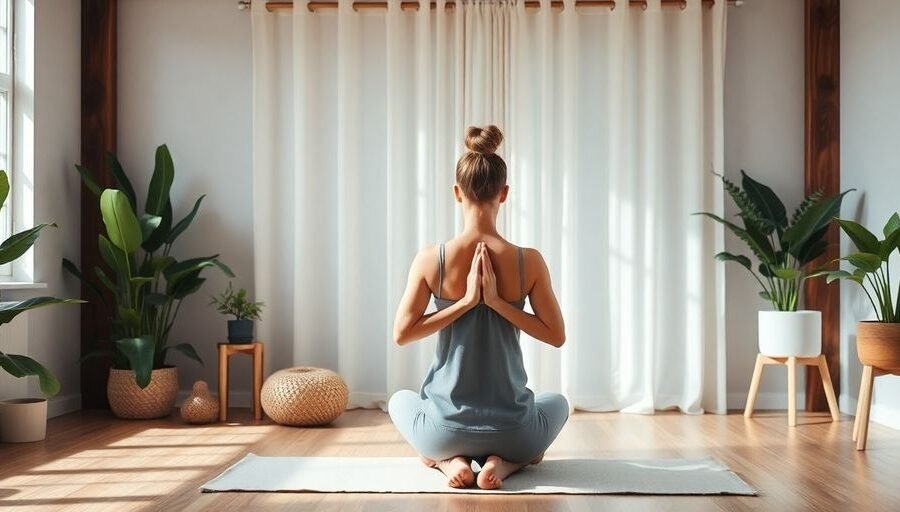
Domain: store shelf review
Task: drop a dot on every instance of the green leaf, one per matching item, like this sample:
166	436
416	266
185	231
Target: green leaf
810	200
139	353
186	349
814	247
864	261
722	256
765	200
122	179
765	296
159	235
4	188
130	317
186	284
18	244
889	244
113	256
762	249
156	299
20	366
180	269
161	182
106	281
766	270
121	223
88	179
815	218
149	223
184	223
9	310
893	225
160	263
786	273
864	240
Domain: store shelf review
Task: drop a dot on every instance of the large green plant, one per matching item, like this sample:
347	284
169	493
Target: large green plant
147	283
871	264
783	246
13	247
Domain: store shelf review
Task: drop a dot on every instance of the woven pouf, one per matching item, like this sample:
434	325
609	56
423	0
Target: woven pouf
304	396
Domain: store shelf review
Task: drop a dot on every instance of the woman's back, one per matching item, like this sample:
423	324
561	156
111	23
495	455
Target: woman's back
477	380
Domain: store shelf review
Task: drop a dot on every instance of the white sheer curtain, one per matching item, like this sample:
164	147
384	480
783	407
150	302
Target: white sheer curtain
613	122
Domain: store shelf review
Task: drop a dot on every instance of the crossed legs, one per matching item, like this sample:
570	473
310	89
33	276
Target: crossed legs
459	470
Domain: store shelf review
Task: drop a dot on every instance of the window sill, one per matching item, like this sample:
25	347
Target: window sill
21	285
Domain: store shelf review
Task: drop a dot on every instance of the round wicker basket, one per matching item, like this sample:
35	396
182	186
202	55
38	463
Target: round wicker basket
200	407
129	401
304	396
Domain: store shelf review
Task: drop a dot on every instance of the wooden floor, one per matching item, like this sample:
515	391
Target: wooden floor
92	461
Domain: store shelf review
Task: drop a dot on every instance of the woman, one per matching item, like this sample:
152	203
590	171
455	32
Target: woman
474	403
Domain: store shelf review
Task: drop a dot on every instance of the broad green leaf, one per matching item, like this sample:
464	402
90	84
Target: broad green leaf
765	296
814	247
762	251
124	184
184	223
891	242
865	241
160	263
186	349
148	224
161	233
893	224
18	244
864	261
121	223
106	281
160	182
88	179
130	317
765	200
814	219
9	310
20	366
139	353
177	270
4	188
722	256
766	270
113	256
786	273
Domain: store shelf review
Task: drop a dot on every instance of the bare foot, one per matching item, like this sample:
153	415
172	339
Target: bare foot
458	470
495	470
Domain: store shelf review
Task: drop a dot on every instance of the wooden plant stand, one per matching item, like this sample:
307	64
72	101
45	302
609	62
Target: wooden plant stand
864	404
255	351
791	363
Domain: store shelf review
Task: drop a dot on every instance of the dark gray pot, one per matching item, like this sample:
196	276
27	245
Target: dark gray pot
240	331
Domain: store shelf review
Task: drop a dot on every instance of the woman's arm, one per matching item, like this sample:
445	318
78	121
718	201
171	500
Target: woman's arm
547	322
411	323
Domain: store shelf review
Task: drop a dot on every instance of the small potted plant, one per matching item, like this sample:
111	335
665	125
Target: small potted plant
784	246
877	341
24	419
229	302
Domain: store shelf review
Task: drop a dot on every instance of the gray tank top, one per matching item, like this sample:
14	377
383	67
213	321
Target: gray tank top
477	378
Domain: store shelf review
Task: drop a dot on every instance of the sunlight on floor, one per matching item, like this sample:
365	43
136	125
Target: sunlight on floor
129	473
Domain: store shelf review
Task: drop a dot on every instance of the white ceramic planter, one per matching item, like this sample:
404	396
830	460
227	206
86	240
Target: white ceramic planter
23	420
790	333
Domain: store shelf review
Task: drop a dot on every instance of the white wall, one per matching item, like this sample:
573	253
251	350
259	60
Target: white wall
54	332
764	98
870	162
184	80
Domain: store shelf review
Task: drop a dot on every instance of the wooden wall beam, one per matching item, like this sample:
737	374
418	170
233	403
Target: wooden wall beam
98	136
823	171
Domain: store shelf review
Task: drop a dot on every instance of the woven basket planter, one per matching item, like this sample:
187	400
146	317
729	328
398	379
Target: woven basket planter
304	396
129	401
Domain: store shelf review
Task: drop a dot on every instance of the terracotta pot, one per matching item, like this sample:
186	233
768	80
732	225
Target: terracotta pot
129	401
23	420
878	345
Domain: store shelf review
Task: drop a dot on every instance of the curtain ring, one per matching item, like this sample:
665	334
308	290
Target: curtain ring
644	5
309	7
683	4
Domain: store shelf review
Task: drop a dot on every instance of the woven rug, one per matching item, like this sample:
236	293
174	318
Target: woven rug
254	473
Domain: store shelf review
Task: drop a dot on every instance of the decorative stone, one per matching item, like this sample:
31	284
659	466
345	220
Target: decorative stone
200	407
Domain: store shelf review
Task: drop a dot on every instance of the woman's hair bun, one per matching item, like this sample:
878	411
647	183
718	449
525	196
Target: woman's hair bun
483	140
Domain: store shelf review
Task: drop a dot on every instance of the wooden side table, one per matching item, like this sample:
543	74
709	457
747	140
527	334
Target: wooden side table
255	351
792	363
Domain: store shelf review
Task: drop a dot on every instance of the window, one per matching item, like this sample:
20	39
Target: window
6	95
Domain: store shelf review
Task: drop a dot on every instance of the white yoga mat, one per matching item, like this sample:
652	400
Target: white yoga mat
408	475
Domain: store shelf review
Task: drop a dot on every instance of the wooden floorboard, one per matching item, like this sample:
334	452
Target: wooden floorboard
92	461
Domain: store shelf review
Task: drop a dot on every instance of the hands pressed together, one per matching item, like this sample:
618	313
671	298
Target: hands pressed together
481	283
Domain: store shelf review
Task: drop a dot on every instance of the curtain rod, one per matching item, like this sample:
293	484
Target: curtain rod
557	4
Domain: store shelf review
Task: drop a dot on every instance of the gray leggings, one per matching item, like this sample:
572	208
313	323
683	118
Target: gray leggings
438	443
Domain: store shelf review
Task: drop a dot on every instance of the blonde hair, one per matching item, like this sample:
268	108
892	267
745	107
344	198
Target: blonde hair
480	172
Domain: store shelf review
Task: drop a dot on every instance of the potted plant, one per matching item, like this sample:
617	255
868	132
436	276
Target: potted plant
147	285
229	302
877	341
783	246
24	419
